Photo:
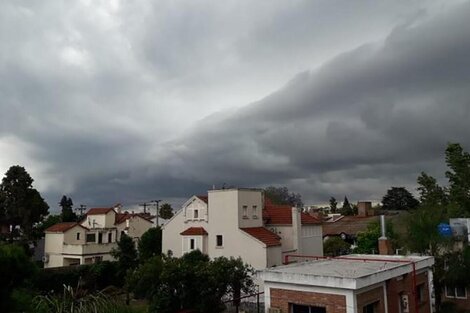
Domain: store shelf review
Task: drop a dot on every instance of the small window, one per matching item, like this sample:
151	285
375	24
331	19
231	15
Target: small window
370	308
78	236
90	238
255	211
220	241
196	213
420	293
110	237
461	292
191	244
245	211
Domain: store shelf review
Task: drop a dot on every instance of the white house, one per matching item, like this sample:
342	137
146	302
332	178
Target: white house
91	239
241	223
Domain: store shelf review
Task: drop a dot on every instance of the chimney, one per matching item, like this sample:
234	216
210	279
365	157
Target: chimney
385	247
296	230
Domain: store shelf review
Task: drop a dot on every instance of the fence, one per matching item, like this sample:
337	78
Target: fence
252	303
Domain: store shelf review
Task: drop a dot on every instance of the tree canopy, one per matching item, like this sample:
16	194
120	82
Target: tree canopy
21	204
398	198
68	215
150	243
368	241
166	211
125	253
347	208
333	205
335	246
281	195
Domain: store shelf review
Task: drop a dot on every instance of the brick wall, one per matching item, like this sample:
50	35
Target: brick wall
461	304
371	296
280	298
403	285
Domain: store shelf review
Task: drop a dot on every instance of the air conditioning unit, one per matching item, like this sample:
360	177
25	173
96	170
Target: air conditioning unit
45	258
274	310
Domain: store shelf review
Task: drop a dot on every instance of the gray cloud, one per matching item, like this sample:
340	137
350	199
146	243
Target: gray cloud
126	102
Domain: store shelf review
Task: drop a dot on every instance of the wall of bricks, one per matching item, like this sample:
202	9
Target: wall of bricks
404	285
371	296
461	304
280	298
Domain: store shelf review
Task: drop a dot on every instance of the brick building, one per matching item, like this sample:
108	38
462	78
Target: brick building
350	284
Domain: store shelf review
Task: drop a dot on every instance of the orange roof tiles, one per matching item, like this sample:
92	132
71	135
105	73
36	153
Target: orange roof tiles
204	198
62	227
96	211
275	214
264	235
194	231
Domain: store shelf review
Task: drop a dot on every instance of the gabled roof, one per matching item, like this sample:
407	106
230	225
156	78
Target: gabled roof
63	227
264	235
204	198
96	211
349	225
122	217
194	231
274	214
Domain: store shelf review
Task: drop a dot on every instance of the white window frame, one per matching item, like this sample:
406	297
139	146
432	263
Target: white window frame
454	296
245	211
254	210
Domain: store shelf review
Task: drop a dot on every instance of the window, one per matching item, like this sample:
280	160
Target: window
370	308
196	213
297	308
220	241
245	211
255	211
420	293
191	244
90	238
78	236
100	238
456	292
110	237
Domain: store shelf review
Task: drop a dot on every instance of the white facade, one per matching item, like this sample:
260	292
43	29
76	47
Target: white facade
92	239
230	223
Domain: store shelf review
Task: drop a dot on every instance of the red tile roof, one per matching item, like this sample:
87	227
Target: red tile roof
264	235
122	217
96	211
63	227
194	231
275	214
204	198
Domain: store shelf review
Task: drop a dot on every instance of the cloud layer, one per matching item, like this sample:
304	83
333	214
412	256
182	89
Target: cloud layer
128	102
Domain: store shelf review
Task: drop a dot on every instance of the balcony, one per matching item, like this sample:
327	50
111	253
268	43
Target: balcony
89	248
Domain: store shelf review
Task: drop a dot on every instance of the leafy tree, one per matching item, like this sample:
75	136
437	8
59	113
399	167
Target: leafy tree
281	195
430	193
150	244
333	205
15	268
166	211
22	205
347	208
126	254
398	198
368	241
458	174
68	215
145	281
38	229
335	246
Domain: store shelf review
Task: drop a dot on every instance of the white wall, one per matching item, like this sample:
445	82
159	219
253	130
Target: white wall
250	198
312	241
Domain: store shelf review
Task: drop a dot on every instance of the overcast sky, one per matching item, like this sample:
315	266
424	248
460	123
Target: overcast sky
129	101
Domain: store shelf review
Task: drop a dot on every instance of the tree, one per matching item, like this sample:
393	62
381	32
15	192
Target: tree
430	193
38	229
281	195
166	211
145	281
68	215
150	244
398	198
347	208
368	241
335	246
333	205
125	253
22	205
458	174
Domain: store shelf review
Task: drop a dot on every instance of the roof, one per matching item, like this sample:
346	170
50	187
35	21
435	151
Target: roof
275	214
96	211
122	217
204	198
264	235
350	225
63	227
348	272
194	231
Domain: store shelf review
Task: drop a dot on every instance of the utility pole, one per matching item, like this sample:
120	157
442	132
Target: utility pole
81	209
145	205
157	206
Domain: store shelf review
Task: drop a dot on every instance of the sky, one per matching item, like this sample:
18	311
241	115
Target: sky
131	101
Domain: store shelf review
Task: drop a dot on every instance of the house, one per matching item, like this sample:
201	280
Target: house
350	284
91	239
240	222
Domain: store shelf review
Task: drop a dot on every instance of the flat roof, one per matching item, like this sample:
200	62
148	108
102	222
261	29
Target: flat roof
350	273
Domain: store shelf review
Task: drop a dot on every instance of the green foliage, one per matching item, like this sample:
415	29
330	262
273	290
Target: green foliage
347	208
335	246
150	243
368	241
145	280
68	215
15	269
166	211
398	198
281	195
458	162
38	229
333	205
126	254
458	268
430	193
20	203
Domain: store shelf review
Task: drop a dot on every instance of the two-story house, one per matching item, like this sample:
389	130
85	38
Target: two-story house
240	223
91	239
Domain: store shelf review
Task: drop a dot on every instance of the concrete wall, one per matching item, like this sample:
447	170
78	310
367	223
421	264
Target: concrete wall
312	241
274	256
101	220
137	227
200	243
70	236
250	199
